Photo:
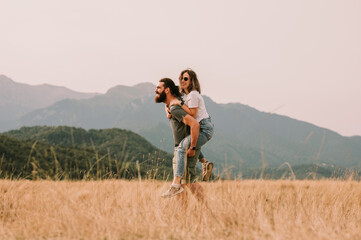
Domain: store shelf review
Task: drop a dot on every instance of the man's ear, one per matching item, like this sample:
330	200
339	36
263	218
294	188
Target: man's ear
166	90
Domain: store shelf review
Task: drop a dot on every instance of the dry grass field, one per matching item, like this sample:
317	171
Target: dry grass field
118	209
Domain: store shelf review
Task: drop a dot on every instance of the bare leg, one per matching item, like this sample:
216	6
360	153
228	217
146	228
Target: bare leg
203	160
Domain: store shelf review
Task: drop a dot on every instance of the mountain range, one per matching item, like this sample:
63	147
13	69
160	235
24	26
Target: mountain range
245	138
18	99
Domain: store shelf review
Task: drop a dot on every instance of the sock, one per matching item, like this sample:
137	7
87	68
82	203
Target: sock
176	185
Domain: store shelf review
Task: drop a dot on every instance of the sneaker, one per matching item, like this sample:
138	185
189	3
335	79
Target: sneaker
172	191
207	170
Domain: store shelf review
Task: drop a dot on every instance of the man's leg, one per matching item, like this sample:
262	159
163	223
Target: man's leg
191	177
176	179
182	152
181	159
174	189
197	191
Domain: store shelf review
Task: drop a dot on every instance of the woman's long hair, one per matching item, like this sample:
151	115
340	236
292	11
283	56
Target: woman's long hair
194	83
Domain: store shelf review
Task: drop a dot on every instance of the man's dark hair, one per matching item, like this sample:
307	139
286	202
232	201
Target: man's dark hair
168	83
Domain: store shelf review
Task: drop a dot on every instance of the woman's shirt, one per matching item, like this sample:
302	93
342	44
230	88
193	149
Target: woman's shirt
195	100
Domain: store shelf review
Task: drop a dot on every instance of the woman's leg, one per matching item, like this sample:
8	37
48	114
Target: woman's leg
207	167
202	158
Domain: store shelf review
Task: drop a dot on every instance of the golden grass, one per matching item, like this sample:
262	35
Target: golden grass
118	209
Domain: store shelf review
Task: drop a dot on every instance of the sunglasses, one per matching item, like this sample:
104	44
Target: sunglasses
185	79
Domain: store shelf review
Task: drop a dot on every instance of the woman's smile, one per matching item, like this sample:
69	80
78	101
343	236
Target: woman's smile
185	81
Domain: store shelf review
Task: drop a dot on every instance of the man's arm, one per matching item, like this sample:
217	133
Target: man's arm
194	125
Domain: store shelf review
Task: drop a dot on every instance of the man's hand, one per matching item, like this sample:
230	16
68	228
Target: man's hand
191	152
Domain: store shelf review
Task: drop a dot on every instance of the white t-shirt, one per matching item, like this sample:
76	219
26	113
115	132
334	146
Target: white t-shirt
195	100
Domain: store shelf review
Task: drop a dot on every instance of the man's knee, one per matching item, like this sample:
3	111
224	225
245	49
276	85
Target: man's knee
184	144
181	149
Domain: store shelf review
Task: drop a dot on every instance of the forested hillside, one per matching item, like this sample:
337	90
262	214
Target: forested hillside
74	153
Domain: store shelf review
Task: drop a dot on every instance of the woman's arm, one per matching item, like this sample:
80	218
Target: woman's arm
190	111
193	101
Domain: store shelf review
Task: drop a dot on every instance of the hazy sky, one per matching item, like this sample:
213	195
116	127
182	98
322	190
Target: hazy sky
296	58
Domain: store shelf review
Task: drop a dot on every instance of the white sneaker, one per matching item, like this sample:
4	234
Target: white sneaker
172	191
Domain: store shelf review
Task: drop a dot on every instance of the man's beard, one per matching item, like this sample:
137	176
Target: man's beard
161	98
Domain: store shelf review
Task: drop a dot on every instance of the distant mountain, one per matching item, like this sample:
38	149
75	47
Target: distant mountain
17	99
244	137
103	111
79	151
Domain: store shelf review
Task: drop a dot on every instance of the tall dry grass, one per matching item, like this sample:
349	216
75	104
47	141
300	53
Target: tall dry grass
118	209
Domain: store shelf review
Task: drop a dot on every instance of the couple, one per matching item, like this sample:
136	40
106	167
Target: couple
189	111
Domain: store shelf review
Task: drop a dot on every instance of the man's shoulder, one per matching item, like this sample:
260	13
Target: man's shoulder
176	108
178	112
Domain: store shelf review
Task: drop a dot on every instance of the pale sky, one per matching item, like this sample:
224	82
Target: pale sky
298	58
